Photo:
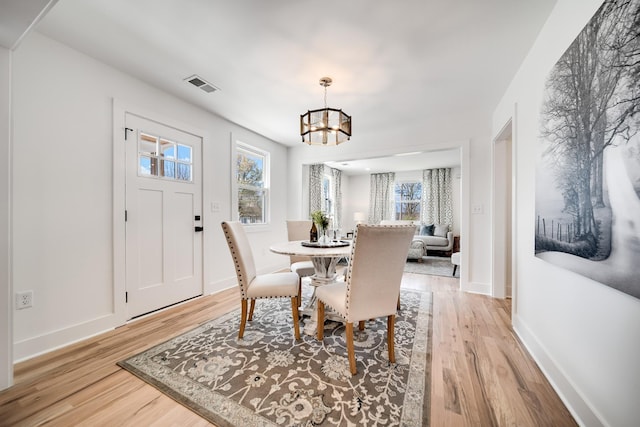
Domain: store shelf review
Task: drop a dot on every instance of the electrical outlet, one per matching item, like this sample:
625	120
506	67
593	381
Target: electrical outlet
476	209
24	300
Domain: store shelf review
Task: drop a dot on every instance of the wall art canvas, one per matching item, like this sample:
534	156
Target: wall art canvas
588	177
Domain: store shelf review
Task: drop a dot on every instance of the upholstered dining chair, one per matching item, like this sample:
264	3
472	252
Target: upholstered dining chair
372	287
302	266
253	286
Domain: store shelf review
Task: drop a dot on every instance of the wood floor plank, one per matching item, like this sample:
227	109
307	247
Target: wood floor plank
481	374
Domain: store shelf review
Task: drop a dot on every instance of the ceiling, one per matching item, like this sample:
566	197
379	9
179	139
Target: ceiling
410	161
17	17
392	64
395	65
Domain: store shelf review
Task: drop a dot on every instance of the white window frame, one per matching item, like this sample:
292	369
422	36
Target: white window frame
237	147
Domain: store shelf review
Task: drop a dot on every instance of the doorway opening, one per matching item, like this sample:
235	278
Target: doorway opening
502	264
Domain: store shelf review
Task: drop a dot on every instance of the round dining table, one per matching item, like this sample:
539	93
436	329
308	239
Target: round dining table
325	258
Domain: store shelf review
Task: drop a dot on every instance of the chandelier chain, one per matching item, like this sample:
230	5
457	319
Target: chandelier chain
325	96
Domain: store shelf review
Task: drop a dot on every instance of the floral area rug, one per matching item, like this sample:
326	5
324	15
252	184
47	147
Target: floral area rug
434	265
268	378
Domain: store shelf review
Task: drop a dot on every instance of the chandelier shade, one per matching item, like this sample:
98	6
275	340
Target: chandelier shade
325	126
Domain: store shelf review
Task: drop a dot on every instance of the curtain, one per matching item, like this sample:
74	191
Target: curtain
437	195
315	187
336	175
381	197
316	202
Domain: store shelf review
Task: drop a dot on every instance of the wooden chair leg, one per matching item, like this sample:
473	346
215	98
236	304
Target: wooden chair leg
299	291
294	312
398	305
391	321
350	349
243	317
361	325
455	267
253	305
320	318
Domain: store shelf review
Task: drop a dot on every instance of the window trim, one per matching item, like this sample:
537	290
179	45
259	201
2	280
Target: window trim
238	146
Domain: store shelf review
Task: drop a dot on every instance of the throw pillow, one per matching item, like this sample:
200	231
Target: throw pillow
427	230
441	230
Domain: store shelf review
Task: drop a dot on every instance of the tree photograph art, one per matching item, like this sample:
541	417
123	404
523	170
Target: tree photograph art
588	178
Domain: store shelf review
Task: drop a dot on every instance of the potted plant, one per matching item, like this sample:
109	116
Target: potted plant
322	222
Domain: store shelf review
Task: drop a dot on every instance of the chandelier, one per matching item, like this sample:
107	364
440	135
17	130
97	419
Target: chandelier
326	126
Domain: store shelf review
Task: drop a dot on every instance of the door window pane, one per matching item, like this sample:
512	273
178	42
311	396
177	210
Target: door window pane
145	165
148	145
169	169
184	153
183	172
168	149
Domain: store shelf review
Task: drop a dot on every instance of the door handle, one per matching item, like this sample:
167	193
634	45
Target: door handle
198	229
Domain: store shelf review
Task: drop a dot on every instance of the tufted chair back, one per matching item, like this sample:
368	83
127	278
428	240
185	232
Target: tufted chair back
298	230
378	256
241	254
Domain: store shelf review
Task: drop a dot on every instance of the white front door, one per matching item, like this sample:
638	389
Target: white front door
163	215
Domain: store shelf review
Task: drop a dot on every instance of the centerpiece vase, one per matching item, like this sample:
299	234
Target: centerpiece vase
323	239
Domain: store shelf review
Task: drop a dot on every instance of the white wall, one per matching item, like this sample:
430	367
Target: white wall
583	334
357	199
6	306
63	187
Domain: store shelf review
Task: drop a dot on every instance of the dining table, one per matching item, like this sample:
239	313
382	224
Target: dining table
325	257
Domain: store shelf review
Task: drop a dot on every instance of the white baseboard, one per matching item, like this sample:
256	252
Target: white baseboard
36	346
572	398
477	288
45	343
220	285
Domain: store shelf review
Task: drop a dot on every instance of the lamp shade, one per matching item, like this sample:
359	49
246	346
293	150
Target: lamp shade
325	126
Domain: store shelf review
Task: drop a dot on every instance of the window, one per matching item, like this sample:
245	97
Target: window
252	178
162	158
327	195
408	196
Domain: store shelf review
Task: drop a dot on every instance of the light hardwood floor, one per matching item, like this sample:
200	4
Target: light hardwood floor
481	374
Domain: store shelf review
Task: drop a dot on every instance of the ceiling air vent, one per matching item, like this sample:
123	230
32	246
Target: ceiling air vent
201	83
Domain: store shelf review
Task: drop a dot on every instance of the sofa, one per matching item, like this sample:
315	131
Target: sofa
440	238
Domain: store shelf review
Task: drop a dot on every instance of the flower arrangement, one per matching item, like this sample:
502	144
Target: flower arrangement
321	219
